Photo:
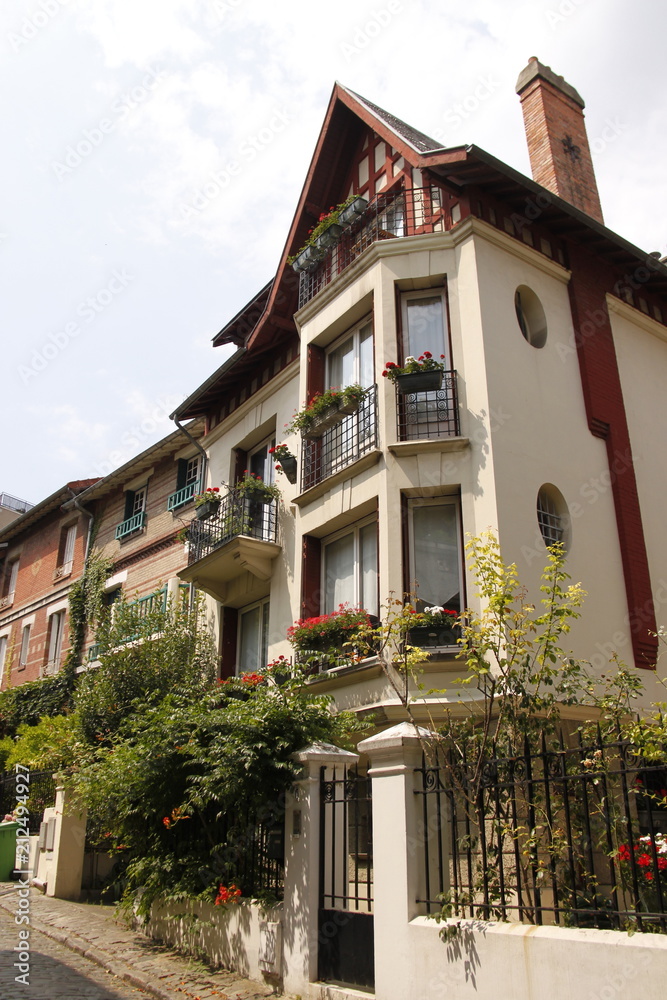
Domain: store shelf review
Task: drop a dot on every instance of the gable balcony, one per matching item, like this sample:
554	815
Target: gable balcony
240	537
405	212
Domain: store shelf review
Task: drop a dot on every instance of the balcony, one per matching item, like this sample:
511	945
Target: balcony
342	445
181	497
430	414
132	524
402	213
239	538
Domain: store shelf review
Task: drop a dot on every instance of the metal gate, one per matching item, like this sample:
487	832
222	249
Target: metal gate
345	918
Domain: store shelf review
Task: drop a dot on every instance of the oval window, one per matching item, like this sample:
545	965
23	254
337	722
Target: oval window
531	317
552	516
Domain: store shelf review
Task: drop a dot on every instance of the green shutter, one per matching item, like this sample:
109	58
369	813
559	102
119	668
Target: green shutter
181	473
129	504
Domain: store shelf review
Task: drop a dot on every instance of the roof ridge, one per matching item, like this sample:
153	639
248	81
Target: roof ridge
420	141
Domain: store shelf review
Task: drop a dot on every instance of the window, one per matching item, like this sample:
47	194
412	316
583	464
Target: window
11	576
56	632
351	359
253	638
260	463
25	642
350	569
436	566
552	516
66	551
434	412
425	326
135	512
3	655
530	316
187	482
350	362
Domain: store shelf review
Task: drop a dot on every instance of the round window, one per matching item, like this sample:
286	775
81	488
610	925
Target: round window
531	317
552	516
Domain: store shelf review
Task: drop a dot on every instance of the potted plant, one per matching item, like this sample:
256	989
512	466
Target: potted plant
433	627
328	632
286	461
417	374
253	487
325	233
353	211
207	503
326	409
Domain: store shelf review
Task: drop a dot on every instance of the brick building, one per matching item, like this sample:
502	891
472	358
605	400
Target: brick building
132	517
43	552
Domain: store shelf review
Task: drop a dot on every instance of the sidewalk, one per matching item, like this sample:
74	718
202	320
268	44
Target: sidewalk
92	931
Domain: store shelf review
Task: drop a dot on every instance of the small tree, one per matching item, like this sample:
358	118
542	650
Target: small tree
147	649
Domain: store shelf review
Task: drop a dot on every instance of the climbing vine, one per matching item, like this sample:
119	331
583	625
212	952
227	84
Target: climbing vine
28	703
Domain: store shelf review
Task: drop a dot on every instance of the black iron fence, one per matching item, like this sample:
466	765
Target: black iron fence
350	439
36	789
555	834
396	214
345	915
431	414
237	514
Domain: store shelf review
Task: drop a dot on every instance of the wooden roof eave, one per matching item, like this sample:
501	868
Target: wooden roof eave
306	204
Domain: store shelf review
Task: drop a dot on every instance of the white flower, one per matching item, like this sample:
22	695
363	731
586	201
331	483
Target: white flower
409	359
435	610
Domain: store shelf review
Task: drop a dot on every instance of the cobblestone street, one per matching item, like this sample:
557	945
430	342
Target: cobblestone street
56	973
126	963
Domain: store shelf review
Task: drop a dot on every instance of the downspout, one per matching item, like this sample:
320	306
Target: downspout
75	502
197	445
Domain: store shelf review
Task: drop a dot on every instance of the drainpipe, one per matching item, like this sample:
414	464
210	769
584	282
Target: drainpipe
197	446
75	502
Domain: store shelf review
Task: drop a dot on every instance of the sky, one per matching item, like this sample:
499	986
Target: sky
128	234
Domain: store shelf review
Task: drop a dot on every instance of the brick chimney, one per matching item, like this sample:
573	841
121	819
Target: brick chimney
560	158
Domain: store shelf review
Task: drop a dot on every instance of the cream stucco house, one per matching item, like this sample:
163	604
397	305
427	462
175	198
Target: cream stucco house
549	423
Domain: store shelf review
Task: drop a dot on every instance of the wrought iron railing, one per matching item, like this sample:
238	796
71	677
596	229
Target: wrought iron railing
183	496
137	611
432	414
236	515
401	213
350	439
133	523
552	834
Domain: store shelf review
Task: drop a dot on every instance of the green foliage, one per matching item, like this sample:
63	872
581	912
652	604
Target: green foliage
513	652
146	651
180	784
351	395
85	605
53	744
27	703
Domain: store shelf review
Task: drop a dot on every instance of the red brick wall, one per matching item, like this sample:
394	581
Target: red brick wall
37	549
603	396
555	123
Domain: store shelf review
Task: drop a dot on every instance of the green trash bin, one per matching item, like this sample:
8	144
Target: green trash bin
7	850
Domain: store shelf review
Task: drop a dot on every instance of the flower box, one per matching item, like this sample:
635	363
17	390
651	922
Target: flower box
308	259
323	422
288	467
433	636
330	236
353	211
418	382
257	496
206	510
